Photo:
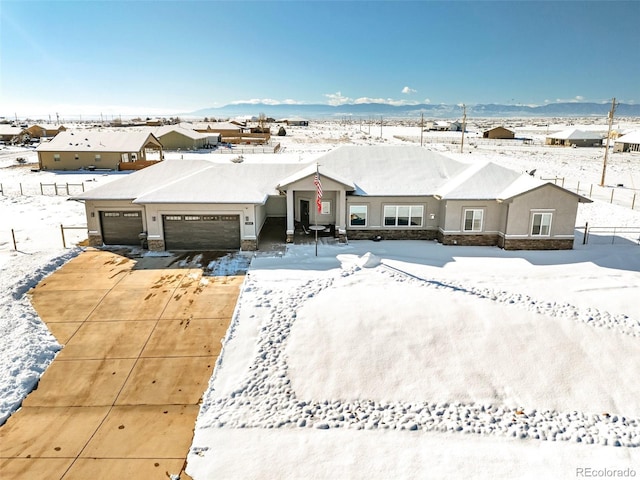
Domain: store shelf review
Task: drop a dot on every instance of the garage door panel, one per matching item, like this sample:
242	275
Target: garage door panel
121	228
201	232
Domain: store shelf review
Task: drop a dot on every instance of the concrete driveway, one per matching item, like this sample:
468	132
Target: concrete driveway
121	398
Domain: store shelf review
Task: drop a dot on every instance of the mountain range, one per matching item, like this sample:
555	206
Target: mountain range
367	110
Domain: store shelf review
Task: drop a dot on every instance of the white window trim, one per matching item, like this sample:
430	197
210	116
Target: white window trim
366	215
533	217
473	221
411	207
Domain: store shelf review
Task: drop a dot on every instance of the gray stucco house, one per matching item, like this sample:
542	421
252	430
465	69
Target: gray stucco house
395	192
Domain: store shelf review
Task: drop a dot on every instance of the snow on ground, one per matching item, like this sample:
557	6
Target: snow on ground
389	359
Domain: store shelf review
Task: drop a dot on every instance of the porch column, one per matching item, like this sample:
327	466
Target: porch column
290	216
341	215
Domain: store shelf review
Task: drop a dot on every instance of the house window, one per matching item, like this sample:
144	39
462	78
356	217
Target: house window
56	157
134	157
124	157
541	224
403	215
97	158
76	156
358	215
473	219
325	208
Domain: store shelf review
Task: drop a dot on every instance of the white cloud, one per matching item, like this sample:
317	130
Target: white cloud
337	98
576	99
408	90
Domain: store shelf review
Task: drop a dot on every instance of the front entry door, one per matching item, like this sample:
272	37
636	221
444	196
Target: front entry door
304	213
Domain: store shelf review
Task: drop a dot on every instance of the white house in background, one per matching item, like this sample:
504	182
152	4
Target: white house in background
392	192
9	132
628	143
574	137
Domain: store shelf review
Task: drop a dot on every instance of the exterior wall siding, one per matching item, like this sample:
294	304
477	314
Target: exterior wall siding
108	160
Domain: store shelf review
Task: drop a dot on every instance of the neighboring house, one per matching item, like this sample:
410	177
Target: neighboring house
394	192
178	137
438	126
628	143
573	137
44	130
101	149
8	133
499	133
225	129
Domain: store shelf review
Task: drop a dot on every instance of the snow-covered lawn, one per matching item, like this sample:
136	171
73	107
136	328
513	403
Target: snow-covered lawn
390	359
407	353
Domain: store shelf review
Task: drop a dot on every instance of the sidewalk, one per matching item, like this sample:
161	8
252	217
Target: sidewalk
121	398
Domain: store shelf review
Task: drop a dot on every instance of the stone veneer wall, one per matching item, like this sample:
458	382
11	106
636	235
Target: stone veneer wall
395	234
538	244
249	245
156	245
95	240
469	240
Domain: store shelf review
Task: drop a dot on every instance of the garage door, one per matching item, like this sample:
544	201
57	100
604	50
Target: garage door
201	232
121	228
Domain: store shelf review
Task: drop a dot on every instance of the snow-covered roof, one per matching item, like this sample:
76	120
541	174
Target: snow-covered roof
478	182
391	170
124	140
220	183
182	130
633	137
9	130
576	134
371	171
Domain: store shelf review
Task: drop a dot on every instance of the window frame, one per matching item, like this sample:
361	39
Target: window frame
410	215
366	215
473	220
325	207
541	225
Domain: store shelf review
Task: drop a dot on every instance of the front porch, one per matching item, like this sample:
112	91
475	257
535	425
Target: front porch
273	236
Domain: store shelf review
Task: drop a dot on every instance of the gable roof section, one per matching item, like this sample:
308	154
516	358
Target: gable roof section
99	141
521	189
310	170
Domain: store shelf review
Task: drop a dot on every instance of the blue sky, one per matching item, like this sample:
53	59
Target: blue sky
84	57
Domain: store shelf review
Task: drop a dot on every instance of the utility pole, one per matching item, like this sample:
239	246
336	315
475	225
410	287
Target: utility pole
380	126
421	128
606	150
464	125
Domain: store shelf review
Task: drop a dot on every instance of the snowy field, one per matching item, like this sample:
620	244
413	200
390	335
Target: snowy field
391	359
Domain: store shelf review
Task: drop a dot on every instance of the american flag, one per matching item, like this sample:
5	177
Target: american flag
316	182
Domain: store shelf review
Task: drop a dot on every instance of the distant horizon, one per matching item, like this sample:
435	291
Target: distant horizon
149	58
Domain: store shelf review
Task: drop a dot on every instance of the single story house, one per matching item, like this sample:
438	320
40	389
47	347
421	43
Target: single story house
8	132
628	143
124	149
179	137
395	192
44	130
574	137
499	133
